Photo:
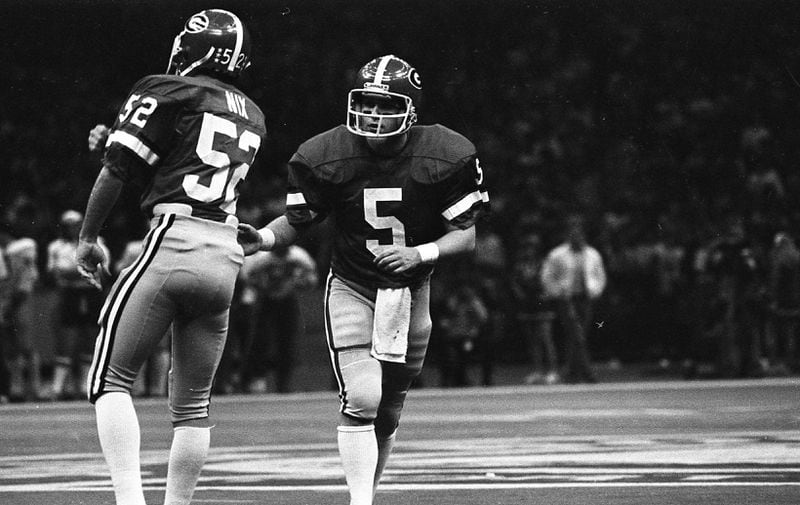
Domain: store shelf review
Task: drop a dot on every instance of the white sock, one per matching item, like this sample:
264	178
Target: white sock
358	449
118	431
186	457
385	446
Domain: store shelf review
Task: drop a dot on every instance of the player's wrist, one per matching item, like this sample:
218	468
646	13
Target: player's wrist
428	252
267	239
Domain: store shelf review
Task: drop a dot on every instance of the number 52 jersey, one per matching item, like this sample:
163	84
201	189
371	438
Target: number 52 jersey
187	141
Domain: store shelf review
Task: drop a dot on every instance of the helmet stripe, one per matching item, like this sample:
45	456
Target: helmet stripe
382	69
239	41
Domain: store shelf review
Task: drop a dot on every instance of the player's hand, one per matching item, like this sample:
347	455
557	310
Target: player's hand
97	137
396	259
92	262
249	238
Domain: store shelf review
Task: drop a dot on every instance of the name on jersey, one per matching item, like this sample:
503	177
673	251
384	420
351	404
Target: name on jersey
236	104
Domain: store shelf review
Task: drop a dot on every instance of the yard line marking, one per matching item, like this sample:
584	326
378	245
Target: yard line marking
30	488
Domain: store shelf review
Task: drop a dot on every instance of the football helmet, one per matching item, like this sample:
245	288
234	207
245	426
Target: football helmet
213	39
384	97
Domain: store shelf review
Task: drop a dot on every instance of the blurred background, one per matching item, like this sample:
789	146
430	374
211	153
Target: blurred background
671	128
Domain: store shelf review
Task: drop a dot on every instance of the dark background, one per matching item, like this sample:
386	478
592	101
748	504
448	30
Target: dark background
653	119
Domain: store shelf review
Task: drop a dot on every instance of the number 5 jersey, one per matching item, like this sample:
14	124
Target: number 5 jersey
403	200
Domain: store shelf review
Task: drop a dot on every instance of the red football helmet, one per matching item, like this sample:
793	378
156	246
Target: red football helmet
212	39
393	88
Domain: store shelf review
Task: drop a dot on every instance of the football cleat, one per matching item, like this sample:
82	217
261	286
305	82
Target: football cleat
213	39
384	97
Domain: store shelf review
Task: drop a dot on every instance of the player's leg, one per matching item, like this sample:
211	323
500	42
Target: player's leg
122	346
197	346
398	377
134	318
199	332
348	324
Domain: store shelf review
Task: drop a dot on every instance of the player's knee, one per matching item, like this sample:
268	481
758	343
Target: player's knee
362	396
114	380
200	422
387	422
389	412
191	414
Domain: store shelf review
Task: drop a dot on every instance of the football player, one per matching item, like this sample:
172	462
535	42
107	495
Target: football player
402	197
188	138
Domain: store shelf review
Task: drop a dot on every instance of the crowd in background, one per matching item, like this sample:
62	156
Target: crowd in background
671	129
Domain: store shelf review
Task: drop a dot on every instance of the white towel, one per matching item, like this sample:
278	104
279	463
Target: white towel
390	324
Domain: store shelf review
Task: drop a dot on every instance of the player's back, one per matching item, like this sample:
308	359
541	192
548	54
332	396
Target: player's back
200	136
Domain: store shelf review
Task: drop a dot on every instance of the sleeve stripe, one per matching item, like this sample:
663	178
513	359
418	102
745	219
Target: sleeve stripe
464	204
295	199
135	145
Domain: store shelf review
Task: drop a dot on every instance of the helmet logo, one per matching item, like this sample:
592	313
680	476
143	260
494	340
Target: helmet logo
197	23
414	78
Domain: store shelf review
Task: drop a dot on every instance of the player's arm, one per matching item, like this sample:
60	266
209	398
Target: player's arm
305	206
277	233
92	260
397	259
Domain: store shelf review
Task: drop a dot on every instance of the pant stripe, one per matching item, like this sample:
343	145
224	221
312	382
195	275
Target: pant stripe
331	347
112	310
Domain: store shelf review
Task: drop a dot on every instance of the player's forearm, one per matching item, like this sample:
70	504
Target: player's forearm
104	195
278	233
456	241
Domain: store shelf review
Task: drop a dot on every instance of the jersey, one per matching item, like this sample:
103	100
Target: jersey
374	201
21	257
186	140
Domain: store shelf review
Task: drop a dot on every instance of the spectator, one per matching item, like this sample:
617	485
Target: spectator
784	305
21	362
275	276
534	311
22	257
738	273
491	276
78	307
462	319
574	276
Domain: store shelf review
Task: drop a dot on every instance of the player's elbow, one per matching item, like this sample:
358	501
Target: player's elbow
468	240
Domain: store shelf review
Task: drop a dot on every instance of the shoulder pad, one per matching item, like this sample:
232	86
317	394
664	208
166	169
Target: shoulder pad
325	153
172	87
444	150
160	84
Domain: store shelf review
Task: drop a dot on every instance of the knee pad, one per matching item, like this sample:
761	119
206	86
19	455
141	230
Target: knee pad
397	379
388	417
361	387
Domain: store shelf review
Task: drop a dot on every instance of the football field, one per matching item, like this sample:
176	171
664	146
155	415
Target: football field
657	443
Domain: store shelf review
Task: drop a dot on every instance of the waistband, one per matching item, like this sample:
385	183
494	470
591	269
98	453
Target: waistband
183	209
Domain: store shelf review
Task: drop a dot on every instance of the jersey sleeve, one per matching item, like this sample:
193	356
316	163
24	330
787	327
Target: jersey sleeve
143	131
464	195
307	199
